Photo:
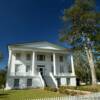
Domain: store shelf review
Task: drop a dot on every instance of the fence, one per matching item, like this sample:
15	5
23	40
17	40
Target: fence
94	96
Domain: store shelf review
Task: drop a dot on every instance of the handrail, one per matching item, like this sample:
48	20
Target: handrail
42	81
54	80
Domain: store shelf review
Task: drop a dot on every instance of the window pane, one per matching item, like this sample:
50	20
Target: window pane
29	82
68	81
28	57
28	68
16	83
40	57
61	58
51	57
17	68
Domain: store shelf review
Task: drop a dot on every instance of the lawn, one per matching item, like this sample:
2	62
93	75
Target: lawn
24	94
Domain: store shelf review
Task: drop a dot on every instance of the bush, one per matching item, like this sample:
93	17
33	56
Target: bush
64	90
50	89
89	88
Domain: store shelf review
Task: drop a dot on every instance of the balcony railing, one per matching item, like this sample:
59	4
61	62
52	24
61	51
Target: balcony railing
21	74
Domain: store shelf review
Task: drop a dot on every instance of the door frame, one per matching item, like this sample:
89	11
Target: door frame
43	68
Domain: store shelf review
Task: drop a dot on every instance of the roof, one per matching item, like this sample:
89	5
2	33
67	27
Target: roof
39	45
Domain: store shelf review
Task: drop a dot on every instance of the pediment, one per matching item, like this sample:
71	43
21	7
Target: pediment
41	45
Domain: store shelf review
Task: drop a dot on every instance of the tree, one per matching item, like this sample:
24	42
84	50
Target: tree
3	76
82	69
81	29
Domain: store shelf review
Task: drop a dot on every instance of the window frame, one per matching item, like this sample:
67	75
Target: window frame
28	82
28	57
61	58
28	69
40	57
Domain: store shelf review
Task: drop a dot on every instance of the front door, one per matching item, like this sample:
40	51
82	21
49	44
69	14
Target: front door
41	69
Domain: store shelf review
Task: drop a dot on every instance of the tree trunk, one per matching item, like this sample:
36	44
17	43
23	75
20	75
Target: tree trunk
91	64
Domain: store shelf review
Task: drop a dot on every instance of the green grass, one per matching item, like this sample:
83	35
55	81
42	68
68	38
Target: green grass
24	94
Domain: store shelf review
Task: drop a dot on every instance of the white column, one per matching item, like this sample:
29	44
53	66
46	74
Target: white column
54	63
33	63
72	65
8	71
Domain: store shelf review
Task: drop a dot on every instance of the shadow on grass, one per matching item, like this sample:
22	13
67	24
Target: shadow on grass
3	95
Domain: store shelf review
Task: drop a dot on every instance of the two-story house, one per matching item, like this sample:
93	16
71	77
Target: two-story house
39	64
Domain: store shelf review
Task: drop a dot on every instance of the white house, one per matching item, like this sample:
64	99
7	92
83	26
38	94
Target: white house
38	65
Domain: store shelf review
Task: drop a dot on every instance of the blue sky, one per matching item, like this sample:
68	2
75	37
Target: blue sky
30	20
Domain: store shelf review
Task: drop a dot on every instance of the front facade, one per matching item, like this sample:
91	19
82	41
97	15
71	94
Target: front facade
39	64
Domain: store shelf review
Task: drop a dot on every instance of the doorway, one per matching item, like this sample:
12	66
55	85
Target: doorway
41	69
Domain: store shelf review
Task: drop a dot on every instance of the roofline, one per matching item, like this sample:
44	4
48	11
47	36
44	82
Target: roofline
19	44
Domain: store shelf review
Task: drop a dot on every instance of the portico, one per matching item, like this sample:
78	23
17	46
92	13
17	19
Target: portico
45	64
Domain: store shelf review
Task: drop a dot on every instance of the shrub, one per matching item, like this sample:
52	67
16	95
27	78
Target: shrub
89	88
50	89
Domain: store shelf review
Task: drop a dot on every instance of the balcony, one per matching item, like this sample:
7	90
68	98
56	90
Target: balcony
21	74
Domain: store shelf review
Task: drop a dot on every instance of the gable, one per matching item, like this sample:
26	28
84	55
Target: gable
41	45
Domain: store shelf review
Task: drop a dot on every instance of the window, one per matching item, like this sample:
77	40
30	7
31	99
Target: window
51	57
40	57
68	81
18	56
61	69
28	68
17	68
61	58
28	57
29	82
16	83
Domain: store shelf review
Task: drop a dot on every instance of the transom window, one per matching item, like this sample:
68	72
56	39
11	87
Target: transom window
28	57
18	56
41	57
61	58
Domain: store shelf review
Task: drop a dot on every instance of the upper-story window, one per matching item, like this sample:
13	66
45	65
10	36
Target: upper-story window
17	68
51	57
28	57
18	56
61	58
28	68
41	57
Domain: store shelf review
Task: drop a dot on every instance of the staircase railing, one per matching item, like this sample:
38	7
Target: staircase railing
54	80
42	81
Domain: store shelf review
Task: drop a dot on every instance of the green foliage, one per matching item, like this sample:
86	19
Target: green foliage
50	89
81	19
91	88
2	77
82	69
